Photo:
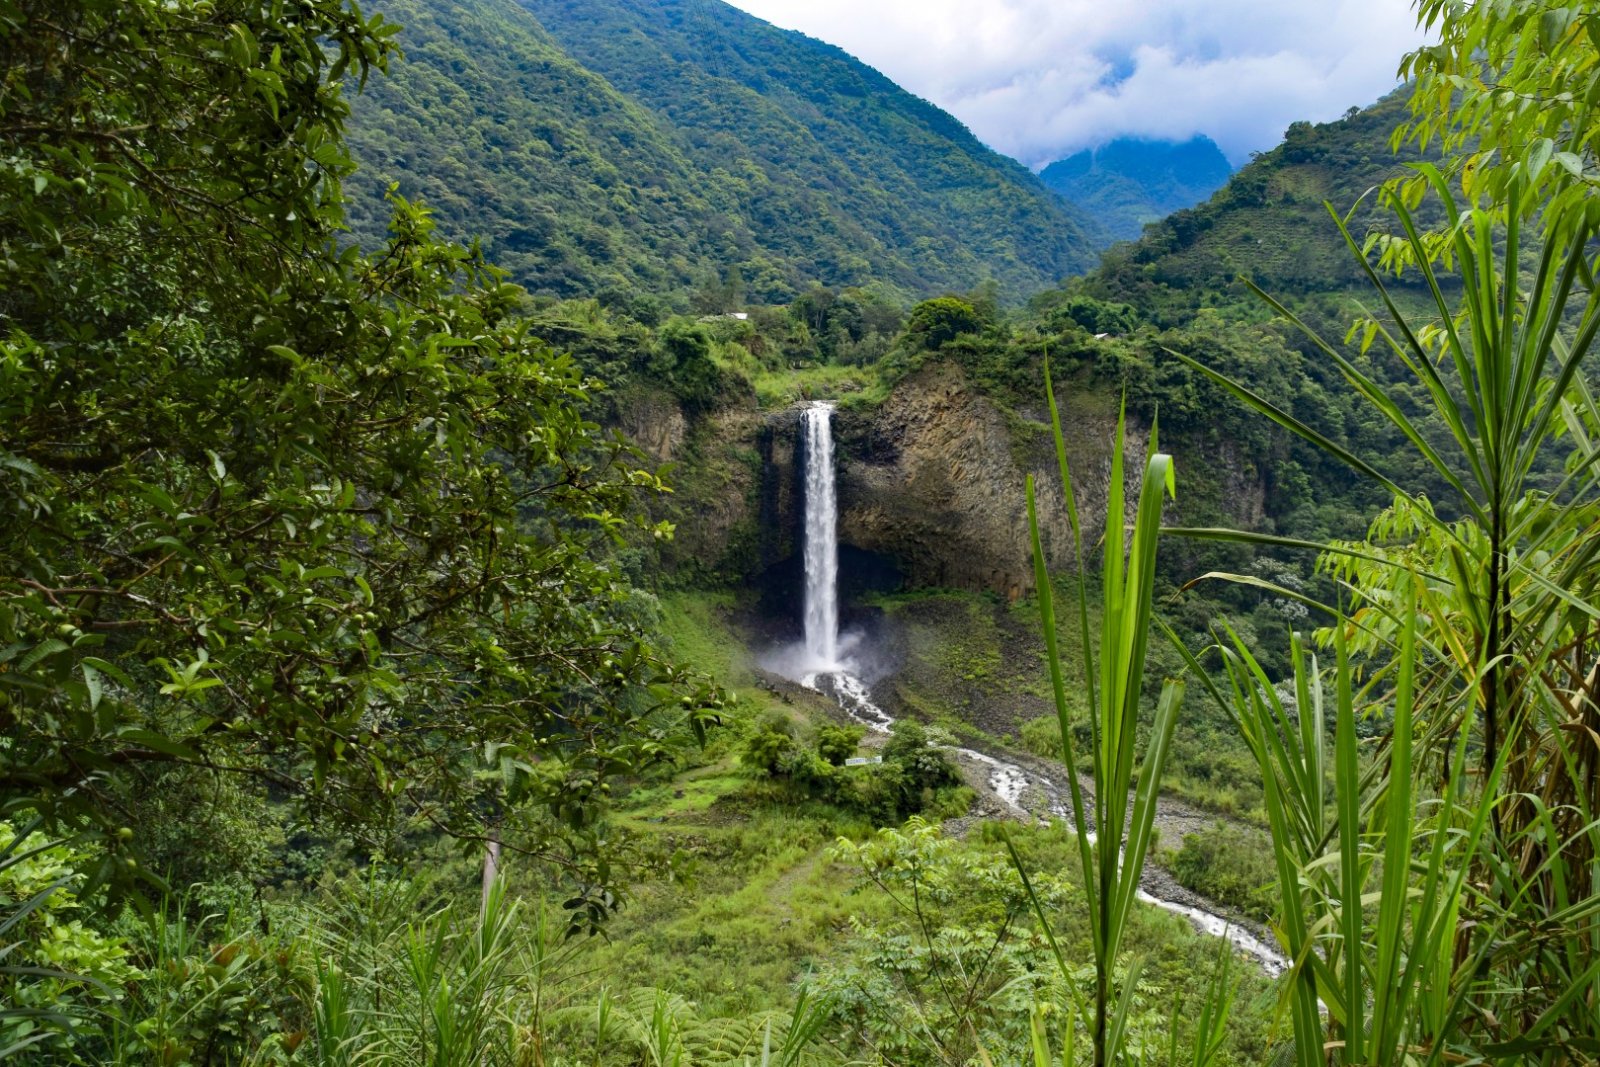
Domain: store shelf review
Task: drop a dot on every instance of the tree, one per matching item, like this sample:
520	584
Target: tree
812	307
934	323
720	295
1509	93
327	522
681	357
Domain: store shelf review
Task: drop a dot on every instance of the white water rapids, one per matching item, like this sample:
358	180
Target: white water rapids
825	671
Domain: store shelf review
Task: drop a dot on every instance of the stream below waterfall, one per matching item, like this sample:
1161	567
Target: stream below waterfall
1035	796
1026	792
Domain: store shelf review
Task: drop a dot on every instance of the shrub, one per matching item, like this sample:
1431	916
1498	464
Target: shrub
936	322
838	743
915	777
1230	864
771	746
924	769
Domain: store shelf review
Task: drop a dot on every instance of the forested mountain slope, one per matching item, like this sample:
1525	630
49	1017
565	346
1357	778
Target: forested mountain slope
1269	224
813	130
569	185
662	148
1130	182
1181	288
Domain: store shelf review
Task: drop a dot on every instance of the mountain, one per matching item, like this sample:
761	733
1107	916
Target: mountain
1184	286
1269	224
1129	182
662	146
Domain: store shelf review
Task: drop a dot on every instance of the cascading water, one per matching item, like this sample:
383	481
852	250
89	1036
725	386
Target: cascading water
824	669
821	541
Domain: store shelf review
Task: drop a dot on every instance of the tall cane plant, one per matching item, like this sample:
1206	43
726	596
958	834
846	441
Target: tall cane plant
1374	873
1112	839
1480	940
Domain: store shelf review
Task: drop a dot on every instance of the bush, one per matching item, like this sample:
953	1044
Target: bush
936	322
1042	737
1231	865
924	770
57	967
838	743
771	746
681	358
915	777
158	988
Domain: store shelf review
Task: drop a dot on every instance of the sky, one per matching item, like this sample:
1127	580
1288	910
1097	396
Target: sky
1041	79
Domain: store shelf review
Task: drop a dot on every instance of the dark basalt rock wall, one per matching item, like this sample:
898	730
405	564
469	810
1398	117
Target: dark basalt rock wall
936	478
931	490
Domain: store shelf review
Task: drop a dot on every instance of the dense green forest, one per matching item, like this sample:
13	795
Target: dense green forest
384	623
1269	225
678	152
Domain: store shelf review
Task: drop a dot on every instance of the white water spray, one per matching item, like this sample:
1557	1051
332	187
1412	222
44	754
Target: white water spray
821	541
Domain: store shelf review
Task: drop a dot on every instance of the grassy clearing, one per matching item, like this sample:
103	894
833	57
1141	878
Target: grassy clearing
687	795
751	905
851	386
697	625
756	908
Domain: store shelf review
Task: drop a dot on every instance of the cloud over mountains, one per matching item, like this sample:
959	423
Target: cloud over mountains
1039	79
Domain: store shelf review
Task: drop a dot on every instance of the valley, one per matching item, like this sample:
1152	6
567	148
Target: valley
610	533
682	150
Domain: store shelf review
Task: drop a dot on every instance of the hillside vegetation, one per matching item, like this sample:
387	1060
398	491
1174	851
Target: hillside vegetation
1269	224
374	631
685	149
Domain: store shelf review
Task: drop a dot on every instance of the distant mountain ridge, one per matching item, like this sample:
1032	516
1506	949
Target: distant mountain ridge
1130	182
667	146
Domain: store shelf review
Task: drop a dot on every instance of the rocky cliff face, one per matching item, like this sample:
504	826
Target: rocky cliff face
936	479
736	500
931	486
654	421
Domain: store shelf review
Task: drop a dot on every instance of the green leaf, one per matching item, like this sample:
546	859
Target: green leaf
110	670
92	682
155	742
42	651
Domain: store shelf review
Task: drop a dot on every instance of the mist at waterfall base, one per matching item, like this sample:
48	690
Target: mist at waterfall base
856	654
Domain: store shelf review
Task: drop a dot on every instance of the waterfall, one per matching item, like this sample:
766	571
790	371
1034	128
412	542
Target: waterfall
821	541
1026	792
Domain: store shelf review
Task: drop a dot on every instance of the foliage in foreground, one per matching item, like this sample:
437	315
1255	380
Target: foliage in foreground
1439	895
329	525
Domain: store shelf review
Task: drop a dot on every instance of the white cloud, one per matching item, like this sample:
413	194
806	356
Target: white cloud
1039	79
